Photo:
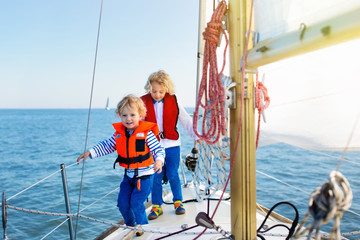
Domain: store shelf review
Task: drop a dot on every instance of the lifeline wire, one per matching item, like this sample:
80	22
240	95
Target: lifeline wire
88	121
38	182
77	213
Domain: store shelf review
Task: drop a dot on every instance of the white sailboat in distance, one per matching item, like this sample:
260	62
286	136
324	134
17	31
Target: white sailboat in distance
107	104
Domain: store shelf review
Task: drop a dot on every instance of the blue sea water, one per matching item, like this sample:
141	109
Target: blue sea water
33	144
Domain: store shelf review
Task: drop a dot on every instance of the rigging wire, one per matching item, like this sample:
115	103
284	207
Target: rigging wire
348	142
88	121
116	189
49	233
299	189
280	181
320	153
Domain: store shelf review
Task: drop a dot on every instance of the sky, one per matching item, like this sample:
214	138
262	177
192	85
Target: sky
47	50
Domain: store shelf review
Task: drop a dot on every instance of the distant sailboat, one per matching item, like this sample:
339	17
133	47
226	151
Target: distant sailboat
107	104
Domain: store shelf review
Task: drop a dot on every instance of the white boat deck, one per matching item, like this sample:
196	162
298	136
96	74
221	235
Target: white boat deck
169	222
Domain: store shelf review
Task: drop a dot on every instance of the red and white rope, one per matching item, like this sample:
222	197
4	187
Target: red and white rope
212	90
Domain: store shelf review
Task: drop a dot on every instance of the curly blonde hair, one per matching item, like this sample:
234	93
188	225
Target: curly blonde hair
162	78
131	101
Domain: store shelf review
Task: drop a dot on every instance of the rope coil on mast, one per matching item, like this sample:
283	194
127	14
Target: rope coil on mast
212	90
262	102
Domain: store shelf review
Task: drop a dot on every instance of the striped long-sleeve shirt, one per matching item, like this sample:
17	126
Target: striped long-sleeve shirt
109	145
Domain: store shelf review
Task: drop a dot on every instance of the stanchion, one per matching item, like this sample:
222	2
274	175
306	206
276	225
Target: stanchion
67	202
4	214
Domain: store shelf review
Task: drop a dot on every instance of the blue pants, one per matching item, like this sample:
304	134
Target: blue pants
172	160
131	200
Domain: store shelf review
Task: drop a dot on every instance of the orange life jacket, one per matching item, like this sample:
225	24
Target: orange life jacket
170	115
132	150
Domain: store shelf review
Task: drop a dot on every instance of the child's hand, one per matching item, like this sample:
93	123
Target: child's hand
199	141
158	166
84	156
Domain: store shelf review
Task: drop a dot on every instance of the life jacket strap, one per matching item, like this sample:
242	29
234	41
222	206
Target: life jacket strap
161	135
128	161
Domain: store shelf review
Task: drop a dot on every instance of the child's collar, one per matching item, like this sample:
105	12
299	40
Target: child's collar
129	132
162	100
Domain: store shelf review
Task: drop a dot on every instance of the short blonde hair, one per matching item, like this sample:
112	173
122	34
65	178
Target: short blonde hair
162	78
131	101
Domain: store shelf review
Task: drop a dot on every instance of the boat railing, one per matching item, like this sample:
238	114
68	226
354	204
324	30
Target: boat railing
70	216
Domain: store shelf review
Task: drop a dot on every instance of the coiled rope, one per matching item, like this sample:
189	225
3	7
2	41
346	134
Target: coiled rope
327	202
212	91
262	101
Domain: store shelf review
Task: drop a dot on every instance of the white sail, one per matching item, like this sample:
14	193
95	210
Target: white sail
107	104
313	96
314	105
277	17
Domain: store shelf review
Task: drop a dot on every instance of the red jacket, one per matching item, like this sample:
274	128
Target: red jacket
170	114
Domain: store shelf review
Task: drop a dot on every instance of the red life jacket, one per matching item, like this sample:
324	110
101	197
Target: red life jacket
132	150
170	115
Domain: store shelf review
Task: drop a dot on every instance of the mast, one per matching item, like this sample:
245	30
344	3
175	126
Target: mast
243	180
200	53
